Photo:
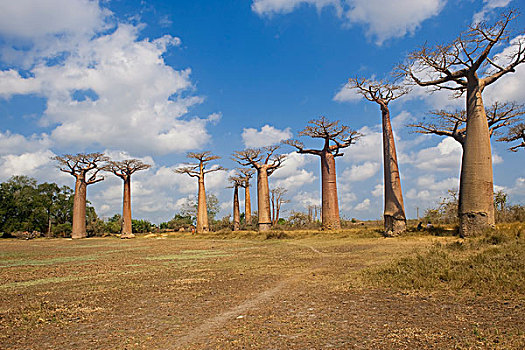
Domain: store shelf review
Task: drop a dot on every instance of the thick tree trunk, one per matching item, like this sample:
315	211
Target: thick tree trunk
394	213
202	211
79	209
247	205
236	211
476	196
127	230
330	209
263	199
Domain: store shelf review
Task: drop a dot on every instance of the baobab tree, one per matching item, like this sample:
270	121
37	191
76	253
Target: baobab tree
265	161
85	168
468	65
382	93
453	124
236	182
246	174
124	169
277	200
335	138
199	171
515	133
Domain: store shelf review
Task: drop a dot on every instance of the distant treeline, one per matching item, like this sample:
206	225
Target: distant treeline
46	209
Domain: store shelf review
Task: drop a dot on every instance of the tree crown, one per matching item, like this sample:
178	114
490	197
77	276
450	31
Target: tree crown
450	66
125	168
82	165
340	135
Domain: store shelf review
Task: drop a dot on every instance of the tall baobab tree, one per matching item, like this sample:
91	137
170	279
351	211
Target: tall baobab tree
246	174
383	93
265	162
515	133
335	138
236	182
468	64
85	168
452	124
124	169
199	171
277	200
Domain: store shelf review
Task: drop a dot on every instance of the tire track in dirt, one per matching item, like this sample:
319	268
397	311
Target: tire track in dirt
205	330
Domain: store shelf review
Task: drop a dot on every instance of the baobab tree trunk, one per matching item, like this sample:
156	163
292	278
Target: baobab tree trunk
236	211
394	213
202	210
79	210
263	200
127	230
476	208
247	205
330	208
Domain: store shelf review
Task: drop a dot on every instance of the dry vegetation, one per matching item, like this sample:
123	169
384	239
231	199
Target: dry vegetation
296	289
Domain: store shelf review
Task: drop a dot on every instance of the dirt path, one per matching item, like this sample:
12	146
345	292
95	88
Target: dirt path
210	326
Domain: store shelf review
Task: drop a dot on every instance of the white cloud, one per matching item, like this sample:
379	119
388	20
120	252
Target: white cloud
383	19
361	172
305	199
378	190
346	94
297	180
25	163
16	143
489	6
30	18
271	7
364	205
292	175
293	163
446	156
367	148
510	87
114	88
267	136
392	19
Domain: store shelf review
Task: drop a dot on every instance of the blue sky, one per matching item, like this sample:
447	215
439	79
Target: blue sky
156	79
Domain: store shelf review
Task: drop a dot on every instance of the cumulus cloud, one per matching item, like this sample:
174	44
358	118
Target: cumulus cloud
368	148
113	88
392	19
446	156
361	172
25	163
267	136
488	7
271	7
41	18
300	179
383	19
378	190
15	143
292	174
306	199
364	205
346	94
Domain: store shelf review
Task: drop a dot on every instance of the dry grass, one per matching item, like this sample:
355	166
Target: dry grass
492	264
